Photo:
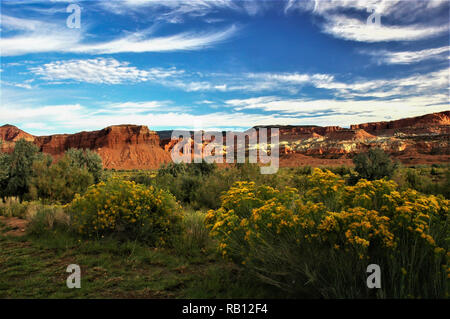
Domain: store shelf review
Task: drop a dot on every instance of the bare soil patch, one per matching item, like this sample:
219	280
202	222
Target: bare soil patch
14	226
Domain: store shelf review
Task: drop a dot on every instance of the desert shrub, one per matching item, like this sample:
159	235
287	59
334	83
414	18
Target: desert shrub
195	237
374	164
143	178
303	170
319	243
203	190
127	210
192	169
324	187
341	170
197	184
424	180
189	187
209	192
60	181
203	168
247	171
172	169
13	208
46	218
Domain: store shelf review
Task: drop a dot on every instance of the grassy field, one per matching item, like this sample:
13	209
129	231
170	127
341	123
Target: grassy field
33	267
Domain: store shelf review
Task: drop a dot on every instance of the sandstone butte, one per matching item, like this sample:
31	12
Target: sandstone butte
417	140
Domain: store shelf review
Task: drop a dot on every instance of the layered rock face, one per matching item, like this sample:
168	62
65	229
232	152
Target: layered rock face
423	139
437	123
121	146
9	135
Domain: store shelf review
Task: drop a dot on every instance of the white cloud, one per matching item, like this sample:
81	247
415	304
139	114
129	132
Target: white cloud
357	30
416	84
74	118
174	11
182	41
343	112
32	36
54	113
35	36
412	18
99	70
408	57
24	85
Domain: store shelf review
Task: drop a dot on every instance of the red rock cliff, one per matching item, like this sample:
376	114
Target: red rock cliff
429	123
121	146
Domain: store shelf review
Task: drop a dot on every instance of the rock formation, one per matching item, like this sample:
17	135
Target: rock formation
423	139
121	146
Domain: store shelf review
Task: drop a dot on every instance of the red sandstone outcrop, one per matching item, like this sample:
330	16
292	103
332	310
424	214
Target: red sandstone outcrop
429	123
346	135
121	146
9	134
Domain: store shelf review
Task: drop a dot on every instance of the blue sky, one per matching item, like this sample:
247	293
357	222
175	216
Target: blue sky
221	64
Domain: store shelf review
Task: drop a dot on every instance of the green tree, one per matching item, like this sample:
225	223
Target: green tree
374	164
4	174
86	159
21	168
59	181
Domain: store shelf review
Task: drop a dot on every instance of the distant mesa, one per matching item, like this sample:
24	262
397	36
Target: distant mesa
415	140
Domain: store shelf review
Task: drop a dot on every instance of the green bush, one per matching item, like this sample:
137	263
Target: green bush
59	182
13	208
424	180
194	237
374	164
47	218
191	169
143	178
126	210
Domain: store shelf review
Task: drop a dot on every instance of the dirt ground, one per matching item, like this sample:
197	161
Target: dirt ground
14	226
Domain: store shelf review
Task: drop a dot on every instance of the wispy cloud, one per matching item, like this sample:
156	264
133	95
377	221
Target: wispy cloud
111	71
33	36
357	30
408	57
344	112
176	11
428	84
411	19
73	118
177	42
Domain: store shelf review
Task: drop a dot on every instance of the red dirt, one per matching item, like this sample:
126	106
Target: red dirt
18	225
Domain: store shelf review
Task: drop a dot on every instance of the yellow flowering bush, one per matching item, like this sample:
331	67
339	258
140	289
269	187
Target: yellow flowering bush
231	222
325	187
325	238
125	208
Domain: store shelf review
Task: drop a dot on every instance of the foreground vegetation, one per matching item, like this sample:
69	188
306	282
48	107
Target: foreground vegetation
35	267
197	231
